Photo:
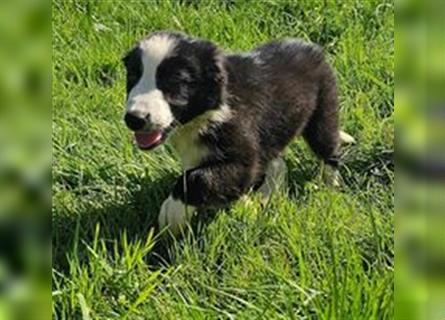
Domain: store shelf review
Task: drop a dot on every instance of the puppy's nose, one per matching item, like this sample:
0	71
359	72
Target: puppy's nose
134	122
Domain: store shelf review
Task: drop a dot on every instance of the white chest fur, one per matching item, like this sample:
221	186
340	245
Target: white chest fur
189	147
186	138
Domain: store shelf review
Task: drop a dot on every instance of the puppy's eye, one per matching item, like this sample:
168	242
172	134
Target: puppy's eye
185	76
181	77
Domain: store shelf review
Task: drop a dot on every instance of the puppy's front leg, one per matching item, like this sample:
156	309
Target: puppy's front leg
175	214
208	186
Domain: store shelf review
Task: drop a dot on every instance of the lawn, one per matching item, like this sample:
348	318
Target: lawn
312	252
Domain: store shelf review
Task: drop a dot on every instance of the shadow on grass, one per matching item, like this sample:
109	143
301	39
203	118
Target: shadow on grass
359	168
376	164
136	216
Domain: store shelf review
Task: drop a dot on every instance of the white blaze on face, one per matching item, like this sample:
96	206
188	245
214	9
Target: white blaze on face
145	98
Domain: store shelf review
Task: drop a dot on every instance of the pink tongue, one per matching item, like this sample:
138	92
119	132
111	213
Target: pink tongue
147	139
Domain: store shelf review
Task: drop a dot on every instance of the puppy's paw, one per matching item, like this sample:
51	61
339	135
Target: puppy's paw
174	215
331	176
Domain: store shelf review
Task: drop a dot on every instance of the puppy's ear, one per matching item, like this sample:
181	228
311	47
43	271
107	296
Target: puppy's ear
220	69
212	59
213	75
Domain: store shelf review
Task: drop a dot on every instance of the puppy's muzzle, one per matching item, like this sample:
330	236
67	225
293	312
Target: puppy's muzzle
135	122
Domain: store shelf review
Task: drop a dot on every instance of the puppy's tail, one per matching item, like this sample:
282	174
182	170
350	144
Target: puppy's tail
346	138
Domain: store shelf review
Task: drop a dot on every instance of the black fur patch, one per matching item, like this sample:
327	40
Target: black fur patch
191	79
134	68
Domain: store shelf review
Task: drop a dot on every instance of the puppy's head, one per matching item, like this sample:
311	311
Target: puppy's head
171	79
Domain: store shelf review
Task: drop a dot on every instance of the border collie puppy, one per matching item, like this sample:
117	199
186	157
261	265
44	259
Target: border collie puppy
229	116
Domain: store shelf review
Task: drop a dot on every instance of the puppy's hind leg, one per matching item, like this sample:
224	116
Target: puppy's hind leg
275	178
329	170
322	131
330	175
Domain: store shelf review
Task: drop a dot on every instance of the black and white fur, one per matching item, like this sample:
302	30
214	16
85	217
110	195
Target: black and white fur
229	116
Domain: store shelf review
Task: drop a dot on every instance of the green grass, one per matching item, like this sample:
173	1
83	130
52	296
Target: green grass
311	253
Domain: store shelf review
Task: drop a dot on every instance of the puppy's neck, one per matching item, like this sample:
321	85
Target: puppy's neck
186	138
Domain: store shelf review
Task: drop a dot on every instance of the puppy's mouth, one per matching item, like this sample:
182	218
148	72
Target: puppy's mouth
151	139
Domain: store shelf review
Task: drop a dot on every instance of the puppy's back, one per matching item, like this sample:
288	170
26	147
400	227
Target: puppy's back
290	55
